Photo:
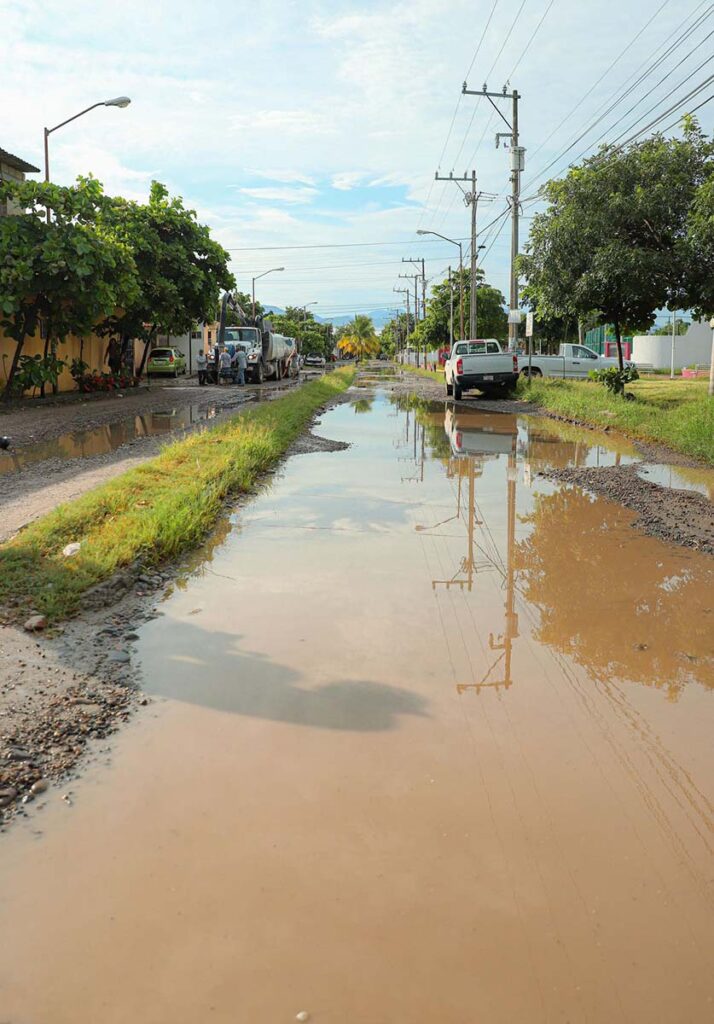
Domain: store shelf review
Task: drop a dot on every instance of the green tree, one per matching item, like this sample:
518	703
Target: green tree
614	238
67	273
181	269
361	338
492	320
680	327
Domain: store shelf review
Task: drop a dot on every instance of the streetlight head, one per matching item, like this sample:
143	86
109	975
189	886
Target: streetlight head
421	231
280	268
118	101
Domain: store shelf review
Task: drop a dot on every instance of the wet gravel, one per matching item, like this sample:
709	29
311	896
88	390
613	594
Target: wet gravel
676	516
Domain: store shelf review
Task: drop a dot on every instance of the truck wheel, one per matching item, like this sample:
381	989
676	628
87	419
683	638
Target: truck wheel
535	372
449	389
457	392
258	375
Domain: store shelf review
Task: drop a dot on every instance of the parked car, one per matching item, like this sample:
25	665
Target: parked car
571	361
169	361
313	359
480	364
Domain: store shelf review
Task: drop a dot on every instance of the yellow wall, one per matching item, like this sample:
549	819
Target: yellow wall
92	353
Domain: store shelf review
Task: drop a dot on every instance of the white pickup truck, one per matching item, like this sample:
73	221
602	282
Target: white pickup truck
571	361
480	364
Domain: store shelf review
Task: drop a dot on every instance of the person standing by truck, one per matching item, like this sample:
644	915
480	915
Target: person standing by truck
241	364
201	366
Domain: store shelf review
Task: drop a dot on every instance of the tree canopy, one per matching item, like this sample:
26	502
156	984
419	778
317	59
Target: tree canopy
68	271
615	239
180	268
360	340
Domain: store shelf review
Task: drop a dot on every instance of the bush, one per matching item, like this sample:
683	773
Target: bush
614	378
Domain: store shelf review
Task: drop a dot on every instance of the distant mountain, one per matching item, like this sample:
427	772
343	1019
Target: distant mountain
379	317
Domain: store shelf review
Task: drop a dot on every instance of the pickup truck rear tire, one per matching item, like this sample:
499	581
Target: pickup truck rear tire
449	389
457	392
535	372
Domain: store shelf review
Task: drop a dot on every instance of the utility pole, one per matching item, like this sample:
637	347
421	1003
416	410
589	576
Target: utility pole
416	304
471	199
451	311
517	167
405	293
423	295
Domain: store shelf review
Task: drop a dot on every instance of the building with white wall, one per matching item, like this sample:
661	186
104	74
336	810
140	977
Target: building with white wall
690	349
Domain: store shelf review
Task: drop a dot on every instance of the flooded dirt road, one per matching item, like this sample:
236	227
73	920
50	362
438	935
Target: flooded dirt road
431	742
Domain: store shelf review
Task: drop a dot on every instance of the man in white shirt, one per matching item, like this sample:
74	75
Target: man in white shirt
224	363
201	366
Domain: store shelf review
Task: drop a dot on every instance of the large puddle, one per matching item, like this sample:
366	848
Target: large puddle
83	444
432	742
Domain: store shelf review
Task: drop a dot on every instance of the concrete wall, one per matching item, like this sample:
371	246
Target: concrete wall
692	347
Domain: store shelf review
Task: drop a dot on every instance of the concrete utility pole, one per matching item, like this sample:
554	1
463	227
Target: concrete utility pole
471	199
405	293
711	364
416	304
517	166
451	311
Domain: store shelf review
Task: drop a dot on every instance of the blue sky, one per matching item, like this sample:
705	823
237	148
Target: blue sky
321	124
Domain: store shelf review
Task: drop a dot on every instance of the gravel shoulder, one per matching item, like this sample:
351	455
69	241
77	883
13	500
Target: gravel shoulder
676	516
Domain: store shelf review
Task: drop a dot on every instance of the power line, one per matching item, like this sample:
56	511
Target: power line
622	95
605	73
456	109
324	245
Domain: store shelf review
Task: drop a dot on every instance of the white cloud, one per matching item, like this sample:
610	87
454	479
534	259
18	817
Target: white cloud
286	177
283	121
347	180
280	195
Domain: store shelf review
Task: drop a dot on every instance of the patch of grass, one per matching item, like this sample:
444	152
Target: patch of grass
437	375
155	511
677	413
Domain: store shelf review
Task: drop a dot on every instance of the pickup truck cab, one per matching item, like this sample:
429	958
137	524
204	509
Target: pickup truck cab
480	364
571	361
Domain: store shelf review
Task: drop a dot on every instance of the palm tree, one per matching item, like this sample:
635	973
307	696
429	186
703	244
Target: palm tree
360	339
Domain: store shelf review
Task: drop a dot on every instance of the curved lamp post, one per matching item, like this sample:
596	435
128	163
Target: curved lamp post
118	101
257	277
461	274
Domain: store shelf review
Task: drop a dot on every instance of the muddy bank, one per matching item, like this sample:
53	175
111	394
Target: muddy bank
677	516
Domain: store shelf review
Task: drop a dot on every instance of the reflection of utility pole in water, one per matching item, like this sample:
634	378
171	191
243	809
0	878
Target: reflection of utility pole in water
464	467
463	579
505	640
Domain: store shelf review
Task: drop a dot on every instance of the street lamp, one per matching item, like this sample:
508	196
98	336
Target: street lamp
304	309
118	101
257	277
461	274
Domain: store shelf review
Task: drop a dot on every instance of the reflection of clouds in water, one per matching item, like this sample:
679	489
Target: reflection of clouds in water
210	669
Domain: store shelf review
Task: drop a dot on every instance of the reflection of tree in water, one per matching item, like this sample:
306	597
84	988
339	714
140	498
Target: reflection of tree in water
634	611
362	405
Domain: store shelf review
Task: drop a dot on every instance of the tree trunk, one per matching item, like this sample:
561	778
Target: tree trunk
144	357
7	393
46	350
618	339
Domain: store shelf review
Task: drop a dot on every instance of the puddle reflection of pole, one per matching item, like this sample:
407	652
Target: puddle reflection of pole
502	643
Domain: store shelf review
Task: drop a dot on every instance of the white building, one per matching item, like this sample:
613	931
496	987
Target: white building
690	349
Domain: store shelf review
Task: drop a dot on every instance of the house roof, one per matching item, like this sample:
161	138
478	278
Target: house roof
15	161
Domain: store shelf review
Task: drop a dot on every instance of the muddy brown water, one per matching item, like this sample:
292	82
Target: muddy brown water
431	742
83	444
